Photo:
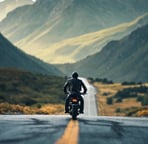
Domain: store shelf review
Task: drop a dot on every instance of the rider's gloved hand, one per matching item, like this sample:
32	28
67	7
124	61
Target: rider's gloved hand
83	93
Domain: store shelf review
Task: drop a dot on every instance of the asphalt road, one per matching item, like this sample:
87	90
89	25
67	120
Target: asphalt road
113	130
60	129
41	129
90	105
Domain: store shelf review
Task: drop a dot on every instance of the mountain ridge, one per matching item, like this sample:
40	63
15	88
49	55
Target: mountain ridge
77	48
47	22
120	60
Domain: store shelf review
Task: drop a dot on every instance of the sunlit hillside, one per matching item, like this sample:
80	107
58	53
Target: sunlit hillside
77	48
120	60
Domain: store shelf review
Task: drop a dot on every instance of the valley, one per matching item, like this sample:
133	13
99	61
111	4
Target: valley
42	43
27	93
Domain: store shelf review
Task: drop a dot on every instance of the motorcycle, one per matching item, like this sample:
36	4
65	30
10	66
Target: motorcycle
74	106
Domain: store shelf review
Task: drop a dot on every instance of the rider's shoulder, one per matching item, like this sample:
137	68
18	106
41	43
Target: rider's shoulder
69	80
72	79
79	80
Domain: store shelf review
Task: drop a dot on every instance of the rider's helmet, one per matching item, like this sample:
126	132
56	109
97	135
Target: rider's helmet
75	75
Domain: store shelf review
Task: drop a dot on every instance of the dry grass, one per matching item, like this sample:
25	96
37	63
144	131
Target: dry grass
52	109
142	113
6	108
110	110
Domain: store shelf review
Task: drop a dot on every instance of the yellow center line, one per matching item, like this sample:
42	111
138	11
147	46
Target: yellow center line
71	134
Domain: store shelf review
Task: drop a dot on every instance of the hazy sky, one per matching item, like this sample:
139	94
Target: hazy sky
8	5
17	0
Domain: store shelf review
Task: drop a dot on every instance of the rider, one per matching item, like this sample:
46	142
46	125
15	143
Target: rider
74	86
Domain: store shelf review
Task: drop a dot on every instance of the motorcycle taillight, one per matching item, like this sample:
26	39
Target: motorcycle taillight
74	100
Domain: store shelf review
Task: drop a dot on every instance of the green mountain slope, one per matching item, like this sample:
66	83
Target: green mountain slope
10	56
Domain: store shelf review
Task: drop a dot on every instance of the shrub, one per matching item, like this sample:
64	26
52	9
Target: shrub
118	100
26	101
2	87
118	110
128	83
106	94
102	80
106	81
139	98
144	100
109	100
2	99
131	92
90	79
38	105
131	83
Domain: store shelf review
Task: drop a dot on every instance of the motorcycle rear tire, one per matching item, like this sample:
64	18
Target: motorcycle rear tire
74	113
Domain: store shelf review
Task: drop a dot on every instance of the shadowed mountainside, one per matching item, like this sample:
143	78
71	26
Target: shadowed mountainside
10	56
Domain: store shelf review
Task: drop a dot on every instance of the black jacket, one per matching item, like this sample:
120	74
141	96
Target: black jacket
74	85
